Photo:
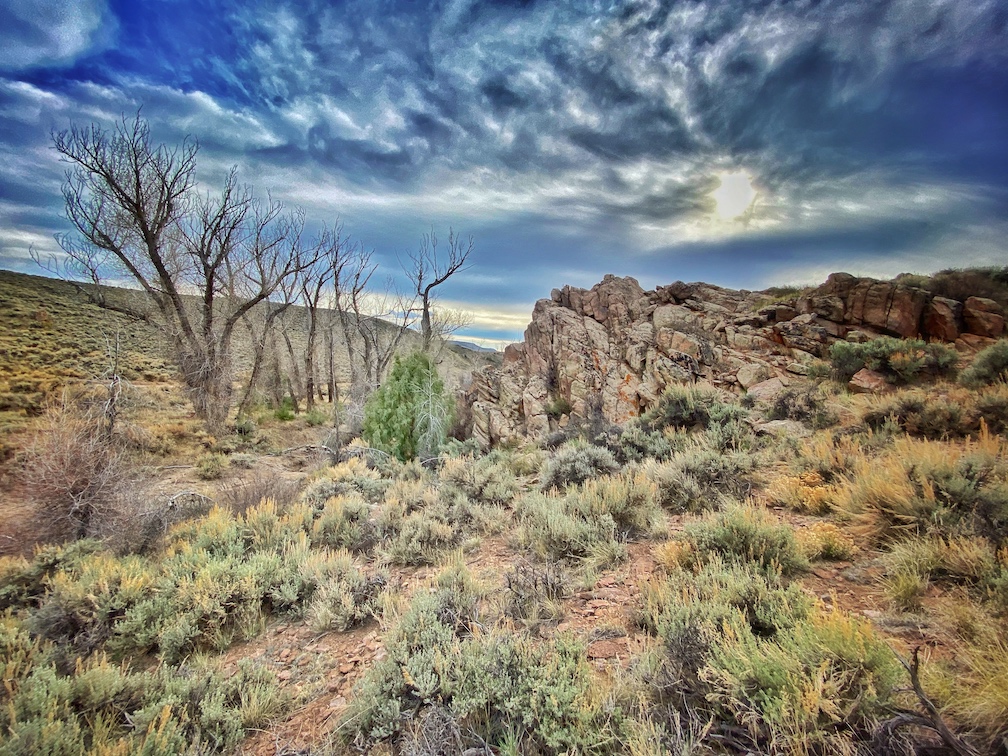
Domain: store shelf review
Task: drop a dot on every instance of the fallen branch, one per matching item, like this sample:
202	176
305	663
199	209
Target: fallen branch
931	718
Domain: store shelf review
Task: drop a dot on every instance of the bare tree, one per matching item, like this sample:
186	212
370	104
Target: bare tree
373	322
426	271
331	247
260	323
201	261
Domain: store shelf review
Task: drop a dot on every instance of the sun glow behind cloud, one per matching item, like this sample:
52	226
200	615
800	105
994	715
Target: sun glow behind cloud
735	196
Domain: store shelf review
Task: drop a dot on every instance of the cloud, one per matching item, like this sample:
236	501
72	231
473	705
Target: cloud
571	139
50	32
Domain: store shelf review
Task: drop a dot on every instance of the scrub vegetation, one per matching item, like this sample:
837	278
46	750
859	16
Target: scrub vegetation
680	584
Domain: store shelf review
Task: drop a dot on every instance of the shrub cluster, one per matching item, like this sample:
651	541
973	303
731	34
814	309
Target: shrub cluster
954	414
589	521
989	366
99	707
690	406
899	360
755	658
926	487
494	690
218	579
805	404
575	463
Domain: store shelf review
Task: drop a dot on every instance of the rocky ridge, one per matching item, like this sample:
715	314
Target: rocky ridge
613	349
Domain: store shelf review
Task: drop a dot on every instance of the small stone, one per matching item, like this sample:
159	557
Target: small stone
284	674
867	381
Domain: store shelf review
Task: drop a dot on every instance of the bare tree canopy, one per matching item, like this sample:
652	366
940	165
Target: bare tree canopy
202	261
427	269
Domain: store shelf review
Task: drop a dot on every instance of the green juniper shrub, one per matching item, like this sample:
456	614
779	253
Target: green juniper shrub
989	366
411	413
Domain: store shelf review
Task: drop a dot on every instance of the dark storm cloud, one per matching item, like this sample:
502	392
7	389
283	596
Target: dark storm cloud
576	137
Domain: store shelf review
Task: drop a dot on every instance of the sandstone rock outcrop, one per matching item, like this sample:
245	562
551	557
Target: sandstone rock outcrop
613	349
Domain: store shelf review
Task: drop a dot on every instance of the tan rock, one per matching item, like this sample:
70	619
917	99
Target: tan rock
766	391
867	381
750	374
673	316
669	341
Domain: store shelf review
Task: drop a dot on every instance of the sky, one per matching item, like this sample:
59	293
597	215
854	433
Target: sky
746	144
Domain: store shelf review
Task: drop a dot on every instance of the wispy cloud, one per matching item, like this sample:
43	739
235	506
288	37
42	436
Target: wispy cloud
571	138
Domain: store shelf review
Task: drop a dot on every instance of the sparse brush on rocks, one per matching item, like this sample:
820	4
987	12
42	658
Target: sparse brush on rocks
899	360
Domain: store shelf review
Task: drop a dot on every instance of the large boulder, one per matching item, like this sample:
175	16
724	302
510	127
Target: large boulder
983	317
942	319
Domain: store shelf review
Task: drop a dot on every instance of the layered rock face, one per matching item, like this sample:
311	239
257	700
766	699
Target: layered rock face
614	348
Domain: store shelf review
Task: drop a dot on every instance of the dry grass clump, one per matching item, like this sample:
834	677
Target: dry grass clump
534	593
954	413
930	487
833	456
76	473
806	493
970	688
825	540
915	563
